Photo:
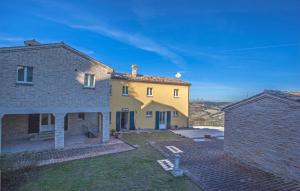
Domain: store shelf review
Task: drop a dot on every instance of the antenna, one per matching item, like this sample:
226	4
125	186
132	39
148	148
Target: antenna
178	75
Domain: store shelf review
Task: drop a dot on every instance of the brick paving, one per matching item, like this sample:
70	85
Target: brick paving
205	163
56	156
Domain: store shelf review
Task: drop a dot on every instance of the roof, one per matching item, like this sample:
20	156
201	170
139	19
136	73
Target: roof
295	93
152	79
285	96
55	45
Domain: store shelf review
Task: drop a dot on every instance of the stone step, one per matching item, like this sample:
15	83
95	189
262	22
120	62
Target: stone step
47	135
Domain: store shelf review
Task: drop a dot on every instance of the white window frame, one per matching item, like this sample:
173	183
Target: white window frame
125	93
89	83
149	92
25	74
149	114
176	93
175	114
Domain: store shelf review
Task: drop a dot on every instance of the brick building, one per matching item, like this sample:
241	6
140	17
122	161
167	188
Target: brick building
264	131
51	89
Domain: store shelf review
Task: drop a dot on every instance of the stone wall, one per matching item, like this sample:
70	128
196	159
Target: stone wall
58	79
78	126
14	127
265	133
57	87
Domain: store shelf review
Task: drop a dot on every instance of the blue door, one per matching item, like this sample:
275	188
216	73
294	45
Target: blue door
168	119
131	122
157	120
118	120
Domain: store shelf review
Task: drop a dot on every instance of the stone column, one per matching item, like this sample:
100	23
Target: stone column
59	134
1	119
105	127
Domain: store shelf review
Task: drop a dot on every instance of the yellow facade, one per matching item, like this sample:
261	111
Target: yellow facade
138	102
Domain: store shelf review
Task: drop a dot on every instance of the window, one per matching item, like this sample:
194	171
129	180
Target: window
176	93
125	90
81	116
89	80
25	74
175	114
148	114
149	92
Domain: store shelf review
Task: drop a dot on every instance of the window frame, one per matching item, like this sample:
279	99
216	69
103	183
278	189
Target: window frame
176	93
149	90
25	75
147	114
89	85
81	116
125	90
175	114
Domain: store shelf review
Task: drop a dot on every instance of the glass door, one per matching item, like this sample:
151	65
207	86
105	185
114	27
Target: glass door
46	122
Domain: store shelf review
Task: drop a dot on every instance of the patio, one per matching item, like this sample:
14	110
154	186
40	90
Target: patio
71	141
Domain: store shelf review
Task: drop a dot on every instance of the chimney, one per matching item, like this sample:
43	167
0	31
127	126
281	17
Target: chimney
32	42
133	70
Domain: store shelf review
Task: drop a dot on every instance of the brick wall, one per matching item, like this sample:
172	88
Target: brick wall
15	127
265	134
58	77
75	125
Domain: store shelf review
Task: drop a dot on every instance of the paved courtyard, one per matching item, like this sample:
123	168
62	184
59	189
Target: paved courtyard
199	133
205	163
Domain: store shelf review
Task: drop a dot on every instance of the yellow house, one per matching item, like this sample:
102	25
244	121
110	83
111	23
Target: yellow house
148	102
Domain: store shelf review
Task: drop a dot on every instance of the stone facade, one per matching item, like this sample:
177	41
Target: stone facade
58	84
15	127
78	126
58	77
265	132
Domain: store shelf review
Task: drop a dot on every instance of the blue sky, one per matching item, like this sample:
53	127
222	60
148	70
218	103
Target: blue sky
227	49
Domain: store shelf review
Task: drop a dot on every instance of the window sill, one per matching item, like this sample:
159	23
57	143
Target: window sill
125	95
89	87
148	116
176	97
25	83
149	95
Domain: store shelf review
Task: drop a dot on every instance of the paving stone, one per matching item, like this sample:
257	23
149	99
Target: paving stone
205	163
56	156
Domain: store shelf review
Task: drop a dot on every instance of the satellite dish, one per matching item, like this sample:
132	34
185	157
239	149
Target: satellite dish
178	75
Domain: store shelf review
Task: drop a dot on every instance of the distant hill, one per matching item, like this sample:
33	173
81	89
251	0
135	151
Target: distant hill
207	113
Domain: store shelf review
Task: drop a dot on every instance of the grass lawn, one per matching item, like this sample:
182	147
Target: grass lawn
132	170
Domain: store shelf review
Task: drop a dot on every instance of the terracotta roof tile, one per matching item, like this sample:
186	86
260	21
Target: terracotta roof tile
295	93
153	79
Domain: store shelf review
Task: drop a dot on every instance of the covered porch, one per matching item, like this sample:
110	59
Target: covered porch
46	131
71	141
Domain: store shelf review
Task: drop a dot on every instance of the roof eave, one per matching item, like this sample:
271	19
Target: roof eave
254	98
148	81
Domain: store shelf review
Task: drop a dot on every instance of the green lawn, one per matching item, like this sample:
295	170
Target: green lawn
132	170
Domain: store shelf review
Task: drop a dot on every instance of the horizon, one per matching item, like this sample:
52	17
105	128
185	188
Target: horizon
228	50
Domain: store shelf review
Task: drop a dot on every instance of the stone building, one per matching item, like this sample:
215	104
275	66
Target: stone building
51	90
264	131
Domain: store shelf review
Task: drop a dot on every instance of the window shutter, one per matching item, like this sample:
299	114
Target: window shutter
157	120
168	119
118	118
132	126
